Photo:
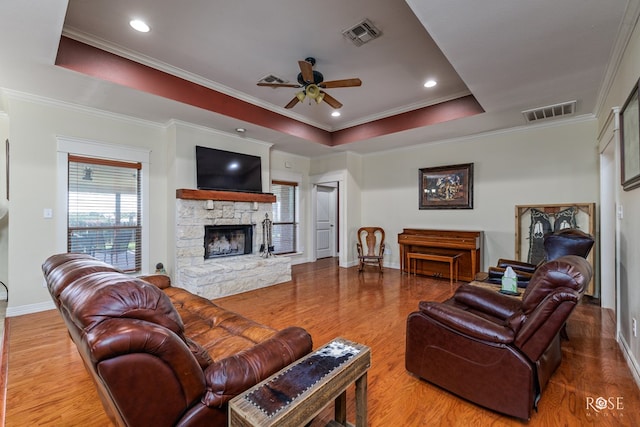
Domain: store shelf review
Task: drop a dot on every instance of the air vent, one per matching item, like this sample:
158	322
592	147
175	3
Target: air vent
550	112
270	78
362	33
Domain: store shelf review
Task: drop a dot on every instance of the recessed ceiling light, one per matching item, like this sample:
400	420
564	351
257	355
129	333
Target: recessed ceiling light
430	83
241	130
139	25
335	114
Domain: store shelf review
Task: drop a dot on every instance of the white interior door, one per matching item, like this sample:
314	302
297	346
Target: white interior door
325	221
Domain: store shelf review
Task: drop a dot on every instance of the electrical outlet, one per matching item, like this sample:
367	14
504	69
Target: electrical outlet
634	327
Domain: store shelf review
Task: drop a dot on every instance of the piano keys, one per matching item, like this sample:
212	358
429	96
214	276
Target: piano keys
445	242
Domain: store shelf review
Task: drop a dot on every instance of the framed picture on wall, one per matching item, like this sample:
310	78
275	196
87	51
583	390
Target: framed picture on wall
446	187
630	141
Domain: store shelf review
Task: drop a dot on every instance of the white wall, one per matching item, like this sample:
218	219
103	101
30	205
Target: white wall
540	165
182	139
628	236
34	125
4	222
290	167
345	168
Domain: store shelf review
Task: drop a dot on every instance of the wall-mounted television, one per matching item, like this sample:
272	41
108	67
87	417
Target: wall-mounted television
225	170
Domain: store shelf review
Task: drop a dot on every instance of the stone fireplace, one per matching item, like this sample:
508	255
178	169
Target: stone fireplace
211	228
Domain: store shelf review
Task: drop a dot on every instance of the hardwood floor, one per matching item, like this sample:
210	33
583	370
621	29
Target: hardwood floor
47	384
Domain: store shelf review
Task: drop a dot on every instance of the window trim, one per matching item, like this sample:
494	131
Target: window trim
117	228
293	178
67	146
296	220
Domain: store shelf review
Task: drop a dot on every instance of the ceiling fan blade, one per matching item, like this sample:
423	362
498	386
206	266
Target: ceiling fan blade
307	71
279	84
331	101
341	83
292	103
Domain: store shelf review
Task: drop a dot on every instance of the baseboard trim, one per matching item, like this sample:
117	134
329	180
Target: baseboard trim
631	361
30	308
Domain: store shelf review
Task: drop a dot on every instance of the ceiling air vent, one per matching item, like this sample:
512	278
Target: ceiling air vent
550	111
362	33
270	78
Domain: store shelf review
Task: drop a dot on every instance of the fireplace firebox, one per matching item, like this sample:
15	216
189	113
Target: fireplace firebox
227	240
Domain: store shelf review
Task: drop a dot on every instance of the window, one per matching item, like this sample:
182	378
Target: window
285	219
104	210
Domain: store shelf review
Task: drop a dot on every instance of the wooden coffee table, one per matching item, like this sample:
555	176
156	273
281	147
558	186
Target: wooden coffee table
296	394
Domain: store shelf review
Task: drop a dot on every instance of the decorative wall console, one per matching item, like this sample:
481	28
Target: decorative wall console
534	221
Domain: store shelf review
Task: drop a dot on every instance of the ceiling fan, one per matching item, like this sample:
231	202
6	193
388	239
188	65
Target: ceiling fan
312	82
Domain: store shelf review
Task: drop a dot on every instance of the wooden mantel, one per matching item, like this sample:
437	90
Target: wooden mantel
232	196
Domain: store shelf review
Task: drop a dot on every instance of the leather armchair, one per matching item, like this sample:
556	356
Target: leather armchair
569	241
494	350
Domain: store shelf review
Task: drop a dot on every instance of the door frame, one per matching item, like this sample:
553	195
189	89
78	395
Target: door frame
609	228
332	179
333	220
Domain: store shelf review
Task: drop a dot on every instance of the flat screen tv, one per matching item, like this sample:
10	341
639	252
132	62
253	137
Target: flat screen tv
225	170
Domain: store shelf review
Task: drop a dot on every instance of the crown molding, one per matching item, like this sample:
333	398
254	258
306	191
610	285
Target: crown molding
131	55
629	22
37	99
517	129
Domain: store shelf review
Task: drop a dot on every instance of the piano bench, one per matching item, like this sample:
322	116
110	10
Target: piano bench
452	260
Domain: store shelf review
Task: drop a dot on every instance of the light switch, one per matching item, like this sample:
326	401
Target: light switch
47	213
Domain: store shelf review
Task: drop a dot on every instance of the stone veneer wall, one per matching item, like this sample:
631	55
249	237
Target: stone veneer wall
214	278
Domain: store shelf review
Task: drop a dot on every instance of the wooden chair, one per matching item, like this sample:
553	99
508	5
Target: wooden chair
370	247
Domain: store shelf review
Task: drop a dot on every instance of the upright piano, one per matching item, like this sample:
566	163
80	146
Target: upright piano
444	242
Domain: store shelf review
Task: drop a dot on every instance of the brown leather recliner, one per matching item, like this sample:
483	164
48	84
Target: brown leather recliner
160	355
494	350
568	241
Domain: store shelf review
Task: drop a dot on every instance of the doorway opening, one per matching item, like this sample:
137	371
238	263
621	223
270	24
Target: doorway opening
327	224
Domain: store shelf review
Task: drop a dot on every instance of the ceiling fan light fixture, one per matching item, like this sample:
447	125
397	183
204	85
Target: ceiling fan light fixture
312	84
313	91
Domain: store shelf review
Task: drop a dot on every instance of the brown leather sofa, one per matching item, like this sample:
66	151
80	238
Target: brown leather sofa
159	355
495	350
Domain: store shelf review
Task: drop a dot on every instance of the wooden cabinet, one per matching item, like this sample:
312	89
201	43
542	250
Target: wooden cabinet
446	242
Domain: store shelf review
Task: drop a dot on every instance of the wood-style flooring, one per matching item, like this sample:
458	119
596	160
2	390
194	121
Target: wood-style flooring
47	384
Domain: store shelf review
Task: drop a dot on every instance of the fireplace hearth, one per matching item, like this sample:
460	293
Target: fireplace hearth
227	240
